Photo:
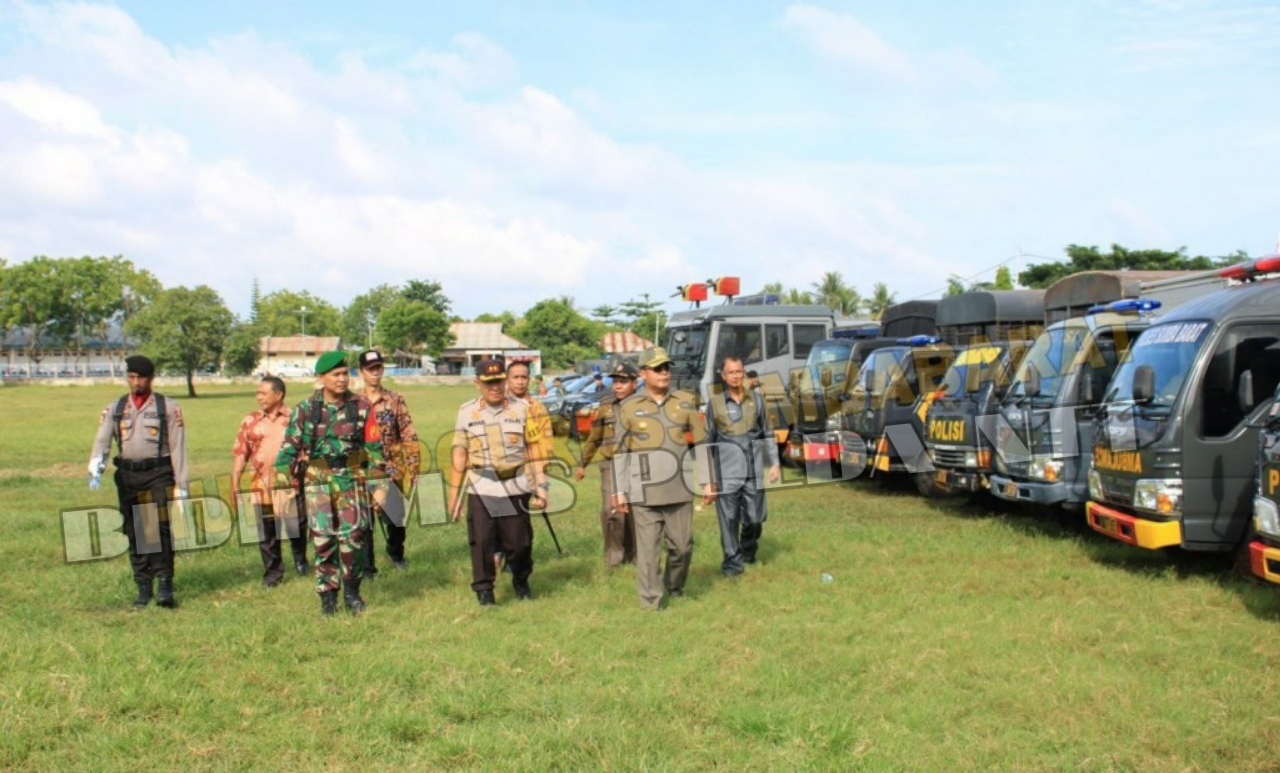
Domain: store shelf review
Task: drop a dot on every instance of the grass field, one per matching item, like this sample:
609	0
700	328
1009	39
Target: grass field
951	639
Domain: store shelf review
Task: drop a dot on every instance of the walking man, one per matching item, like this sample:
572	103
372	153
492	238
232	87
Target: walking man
658	448
401	450
274	497
742	446
495	459
618	526
151	472
335	436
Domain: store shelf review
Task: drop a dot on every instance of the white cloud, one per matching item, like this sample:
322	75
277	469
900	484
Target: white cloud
478	63
53	109
843	38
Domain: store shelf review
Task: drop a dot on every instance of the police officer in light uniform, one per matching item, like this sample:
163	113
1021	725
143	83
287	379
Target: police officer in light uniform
495	459
619	527
151	471
652	472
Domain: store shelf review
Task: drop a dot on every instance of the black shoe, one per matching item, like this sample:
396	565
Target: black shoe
485	597
301	568
676	593
400	563
351	597
164	596
144	595
732	574
369	574
523	591
269	584
749	559
328	603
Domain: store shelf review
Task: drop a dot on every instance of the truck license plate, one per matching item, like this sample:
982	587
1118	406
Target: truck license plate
940	477
1011	490
1108	524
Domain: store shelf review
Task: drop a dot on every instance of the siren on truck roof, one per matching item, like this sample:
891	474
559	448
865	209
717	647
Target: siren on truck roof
919	340
1251	269
1127	306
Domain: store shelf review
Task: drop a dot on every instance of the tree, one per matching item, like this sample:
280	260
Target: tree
281	314
414	326
243	350
428	292
359	318
34	300
1080	258
556	328
797	297
1004	278
880	300
955	286
186	329
843	299
607	314
772	287
506	318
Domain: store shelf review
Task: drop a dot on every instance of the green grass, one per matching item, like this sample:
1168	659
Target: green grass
951	639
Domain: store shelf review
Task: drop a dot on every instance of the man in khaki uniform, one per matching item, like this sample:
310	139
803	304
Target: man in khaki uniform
657	452
619	528
495	456
151	467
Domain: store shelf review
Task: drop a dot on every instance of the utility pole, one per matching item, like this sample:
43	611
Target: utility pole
304	320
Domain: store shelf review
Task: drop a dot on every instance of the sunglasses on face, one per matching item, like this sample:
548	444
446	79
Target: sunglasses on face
663	368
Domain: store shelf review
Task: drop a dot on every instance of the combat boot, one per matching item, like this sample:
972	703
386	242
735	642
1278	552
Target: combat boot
165	597
328	602
144	595
351	597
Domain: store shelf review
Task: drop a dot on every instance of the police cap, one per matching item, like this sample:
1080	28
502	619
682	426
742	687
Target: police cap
654	357
490	370
625	371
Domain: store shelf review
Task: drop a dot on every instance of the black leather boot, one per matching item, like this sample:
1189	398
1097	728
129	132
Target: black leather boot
328	602
351	597
144	595
164	597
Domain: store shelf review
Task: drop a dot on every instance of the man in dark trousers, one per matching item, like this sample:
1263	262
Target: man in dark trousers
495	460
151	471
742	447
401	450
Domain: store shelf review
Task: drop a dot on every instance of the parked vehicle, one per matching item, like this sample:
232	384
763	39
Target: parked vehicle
1044	436
819	391
1176	441
1264	550
972	388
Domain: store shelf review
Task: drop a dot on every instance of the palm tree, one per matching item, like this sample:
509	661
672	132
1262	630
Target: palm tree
843	299
797	297
880	300
772	287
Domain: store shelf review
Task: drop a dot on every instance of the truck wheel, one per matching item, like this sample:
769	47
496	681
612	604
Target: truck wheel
924	484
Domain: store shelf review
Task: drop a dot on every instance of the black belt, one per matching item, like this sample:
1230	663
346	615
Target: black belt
334	462
142	465
489	472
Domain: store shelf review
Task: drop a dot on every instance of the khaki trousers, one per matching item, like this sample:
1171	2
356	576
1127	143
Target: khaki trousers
619	528
654	525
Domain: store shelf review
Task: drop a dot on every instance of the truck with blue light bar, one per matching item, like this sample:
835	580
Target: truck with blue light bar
1176	438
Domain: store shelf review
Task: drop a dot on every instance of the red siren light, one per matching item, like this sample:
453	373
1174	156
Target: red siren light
1267	265
695	292
727	286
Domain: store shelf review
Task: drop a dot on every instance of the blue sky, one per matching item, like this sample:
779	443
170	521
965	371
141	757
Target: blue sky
516	151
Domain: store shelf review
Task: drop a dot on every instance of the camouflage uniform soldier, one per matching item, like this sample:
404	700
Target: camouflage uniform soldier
152	463
496	456
401	450
653	450
336	435
619	527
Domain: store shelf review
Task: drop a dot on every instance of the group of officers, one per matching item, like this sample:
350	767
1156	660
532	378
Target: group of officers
338	462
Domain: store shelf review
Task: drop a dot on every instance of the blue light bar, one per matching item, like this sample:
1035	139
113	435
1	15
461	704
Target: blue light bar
919	340
1127	306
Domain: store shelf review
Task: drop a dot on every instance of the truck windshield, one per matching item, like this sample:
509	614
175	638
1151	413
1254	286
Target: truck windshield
831	354
1169	350
971	369
686	344
1052	355
879	371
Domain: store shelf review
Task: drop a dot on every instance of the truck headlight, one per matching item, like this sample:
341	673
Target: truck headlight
1266	517
1095	486
1162	496
1045	467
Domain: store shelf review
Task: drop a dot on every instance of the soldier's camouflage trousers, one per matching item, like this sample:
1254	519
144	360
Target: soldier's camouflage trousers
339	518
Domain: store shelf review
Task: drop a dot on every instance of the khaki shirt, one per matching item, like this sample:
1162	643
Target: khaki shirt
140	436
653	462
500	442
604	432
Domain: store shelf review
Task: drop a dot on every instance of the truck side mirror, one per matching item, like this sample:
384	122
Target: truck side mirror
1244	392
1144	384
825	377
1086	387
985	391
1033	381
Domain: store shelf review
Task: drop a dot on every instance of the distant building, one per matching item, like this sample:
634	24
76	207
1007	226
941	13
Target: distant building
293	356
95	356
475	341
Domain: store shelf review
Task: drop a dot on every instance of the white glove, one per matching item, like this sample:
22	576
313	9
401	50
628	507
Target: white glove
95	480
96	465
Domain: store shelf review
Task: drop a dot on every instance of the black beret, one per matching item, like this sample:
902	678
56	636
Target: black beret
139	365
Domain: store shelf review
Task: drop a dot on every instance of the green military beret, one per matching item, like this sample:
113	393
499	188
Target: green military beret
330	360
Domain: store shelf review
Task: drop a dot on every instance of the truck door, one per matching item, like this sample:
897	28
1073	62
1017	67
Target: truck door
1221	438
